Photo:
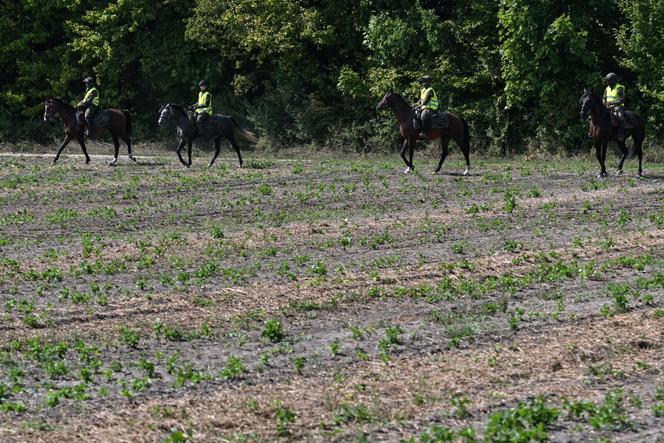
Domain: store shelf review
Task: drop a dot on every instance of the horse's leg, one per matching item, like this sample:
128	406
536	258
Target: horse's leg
116	144
444	150
127	140
81	141
179	148
601	156
189	143
411	150
638	145
65	142
403	155
623	155
231	139
465	148
598	155
217	149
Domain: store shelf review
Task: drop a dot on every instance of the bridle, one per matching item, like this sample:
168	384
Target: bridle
48	110
164	114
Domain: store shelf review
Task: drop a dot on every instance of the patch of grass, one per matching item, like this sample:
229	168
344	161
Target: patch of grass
347	413
522	424
273	330
234	368
298	363
130	337
284	418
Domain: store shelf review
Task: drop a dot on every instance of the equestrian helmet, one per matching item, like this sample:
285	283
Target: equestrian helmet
89	80
202	83
611	77
425	79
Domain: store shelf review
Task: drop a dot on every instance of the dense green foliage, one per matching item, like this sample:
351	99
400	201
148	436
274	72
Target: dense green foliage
299	71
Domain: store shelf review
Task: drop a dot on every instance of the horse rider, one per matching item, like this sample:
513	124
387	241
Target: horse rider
614	99
428	104
90	103
202	108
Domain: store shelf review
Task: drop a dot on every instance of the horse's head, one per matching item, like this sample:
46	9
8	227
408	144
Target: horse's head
386	102
164	114
586	103
49	109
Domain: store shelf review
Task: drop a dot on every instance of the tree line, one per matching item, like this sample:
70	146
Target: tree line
311	72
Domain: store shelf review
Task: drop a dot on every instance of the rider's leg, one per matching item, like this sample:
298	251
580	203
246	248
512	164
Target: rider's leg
89	117
621	125
426	122
201	118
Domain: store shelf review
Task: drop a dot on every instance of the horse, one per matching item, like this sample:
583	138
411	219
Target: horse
602	131
117	122
217	127
457	130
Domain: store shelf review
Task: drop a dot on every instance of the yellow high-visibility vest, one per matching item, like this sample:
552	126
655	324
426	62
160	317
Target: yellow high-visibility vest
433	102
95	101
202	100
611	95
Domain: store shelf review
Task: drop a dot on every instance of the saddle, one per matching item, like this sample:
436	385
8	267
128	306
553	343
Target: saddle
629	118
102	118
208	128
437	120
440	120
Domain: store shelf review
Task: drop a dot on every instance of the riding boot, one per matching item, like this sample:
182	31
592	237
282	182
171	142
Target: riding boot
425	127
89	119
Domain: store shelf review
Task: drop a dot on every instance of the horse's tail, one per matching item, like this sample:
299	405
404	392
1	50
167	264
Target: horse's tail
466	135
246	135
127	121
638	136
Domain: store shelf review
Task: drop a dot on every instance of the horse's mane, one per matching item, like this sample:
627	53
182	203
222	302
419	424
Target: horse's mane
62	103
178	107
398	96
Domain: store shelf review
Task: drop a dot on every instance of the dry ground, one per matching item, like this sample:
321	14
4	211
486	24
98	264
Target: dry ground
328	299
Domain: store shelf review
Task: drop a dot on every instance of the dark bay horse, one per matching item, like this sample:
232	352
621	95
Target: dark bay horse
603	131
217	127
457	130
118	124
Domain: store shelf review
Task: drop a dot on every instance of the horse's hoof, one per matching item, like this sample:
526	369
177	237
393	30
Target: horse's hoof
466	172
407	170
435	172
602	175
132	158
619	172
87	162
209	165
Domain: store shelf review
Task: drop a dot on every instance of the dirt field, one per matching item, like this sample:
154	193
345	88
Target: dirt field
327	299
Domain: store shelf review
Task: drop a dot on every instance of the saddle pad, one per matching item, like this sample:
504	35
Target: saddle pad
631	119
102	118
440	120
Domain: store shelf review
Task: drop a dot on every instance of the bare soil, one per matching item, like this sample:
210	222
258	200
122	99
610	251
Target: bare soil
327	300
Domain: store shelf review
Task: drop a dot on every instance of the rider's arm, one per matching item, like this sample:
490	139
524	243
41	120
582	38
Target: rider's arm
89	100
207	103
621	97
427	98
